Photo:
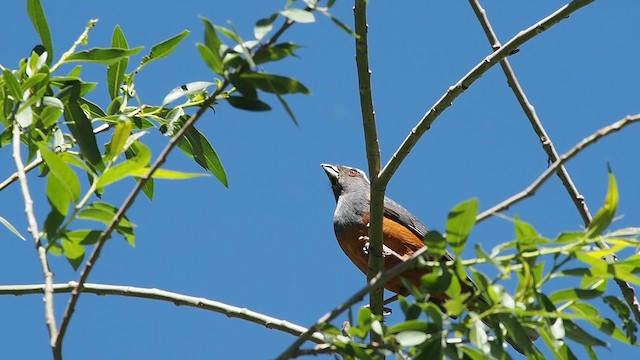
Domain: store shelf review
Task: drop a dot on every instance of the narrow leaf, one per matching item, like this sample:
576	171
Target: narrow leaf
103	56
119	138
211	38
66	176
167	174
299	15
125	168
186	90
212	60
82	130
39	21
605	215
275	83
197	147
165	48
12	84
245	103
116	71
460	222
11	228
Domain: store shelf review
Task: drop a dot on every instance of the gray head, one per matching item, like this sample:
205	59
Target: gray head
345	179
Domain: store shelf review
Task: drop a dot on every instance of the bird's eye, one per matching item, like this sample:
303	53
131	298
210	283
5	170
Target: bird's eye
353	172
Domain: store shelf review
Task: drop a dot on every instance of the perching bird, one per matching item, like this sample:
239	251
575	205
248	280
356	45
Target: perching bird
402	232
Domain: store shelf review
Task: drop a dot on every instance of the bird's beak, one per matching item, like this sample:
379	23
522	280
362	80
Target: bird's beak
331	170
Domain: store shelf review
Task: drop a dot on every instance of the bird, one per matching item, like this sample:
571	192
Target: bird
402	233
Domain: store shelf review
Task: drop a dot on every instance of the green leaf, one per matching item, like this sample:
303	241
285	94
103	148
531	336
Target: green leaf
132	151
116	71
623	312
460	222
13	85
479	338
119	138
83	237
164	48
341	25
198	148
67	178
58	198
211	38
287	109
10	227
411	338
264	26
24	116
39	21
104	213
579	335
573	294
245	103
125	168
594	317
168	174
275	84
605	215
73	252
436	243
298	15
82	131
212	60
275	52
103	56
192	88
527	237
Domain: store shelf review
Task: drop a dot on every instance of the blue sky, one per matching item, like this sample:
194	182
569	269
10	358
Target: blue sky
266	242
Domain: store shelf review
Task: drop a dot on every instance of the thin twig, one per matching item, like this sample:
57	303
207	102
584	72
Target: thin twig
453	92
81	39
578	200
50	318
168	296
531	189
119	215
376	261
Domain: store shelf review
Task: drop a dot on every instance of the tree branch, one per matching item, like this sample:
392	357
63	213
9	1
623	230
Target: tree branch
168	296
50	318
531	189
456	90
376	260
578	200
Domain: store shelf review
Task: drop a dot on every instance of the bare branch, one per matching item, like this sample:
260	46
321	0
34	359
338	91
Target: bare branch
50	318
376	261
578	200
531	189
473	75
168	296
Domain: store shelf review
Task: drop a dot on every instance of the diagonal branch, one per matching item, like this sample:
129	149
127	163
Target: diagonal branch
578	200
376	261
531	189
530	112
49	314
456	90
168	296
